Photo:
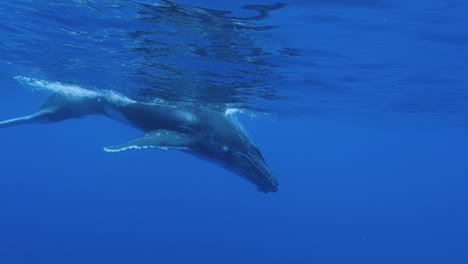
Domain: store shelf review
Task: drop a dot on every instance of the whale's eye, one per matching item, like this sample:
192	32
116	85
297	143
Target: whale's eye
225	148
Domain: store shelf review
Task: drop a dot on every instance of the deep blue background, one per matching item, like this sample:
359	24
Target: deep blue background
361	180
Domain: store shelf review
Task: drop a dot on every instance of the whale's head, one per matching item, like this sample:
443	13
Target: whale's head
222	140
247	161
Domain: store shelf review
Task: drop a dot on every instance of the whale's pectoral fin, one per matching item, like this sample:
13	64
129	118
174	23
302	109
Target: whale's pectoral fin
161	138
38	117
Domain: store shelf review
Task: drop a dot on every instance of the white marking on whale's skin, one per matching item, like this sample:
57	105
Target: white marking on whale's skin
231	114
231	111
106	149
165	148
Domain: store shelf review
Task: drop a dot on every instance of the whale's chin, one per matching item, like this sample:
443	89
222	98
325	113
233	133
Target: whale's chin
267	188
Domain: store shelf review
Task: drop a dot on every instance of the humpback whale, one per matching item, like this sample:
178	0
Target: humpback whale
200	131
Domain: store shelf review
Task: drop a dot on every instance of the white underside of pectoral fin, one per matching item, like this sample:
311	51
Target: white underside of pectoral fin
161	139
120	148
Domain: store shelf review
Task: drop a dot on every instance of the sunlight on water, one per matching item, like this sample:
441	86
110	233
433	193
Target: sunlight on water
146	50
286	60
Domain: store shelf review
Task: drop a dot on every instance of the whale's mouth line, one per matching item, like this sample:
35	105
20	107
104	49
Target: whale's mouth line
254	164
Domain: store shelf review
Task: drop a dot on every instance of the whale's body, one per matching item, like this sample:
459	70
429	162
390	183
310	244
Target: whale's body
200	131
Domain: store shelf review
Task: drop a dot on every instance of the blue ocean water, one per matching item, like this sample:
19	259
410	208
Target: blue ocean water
360	108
